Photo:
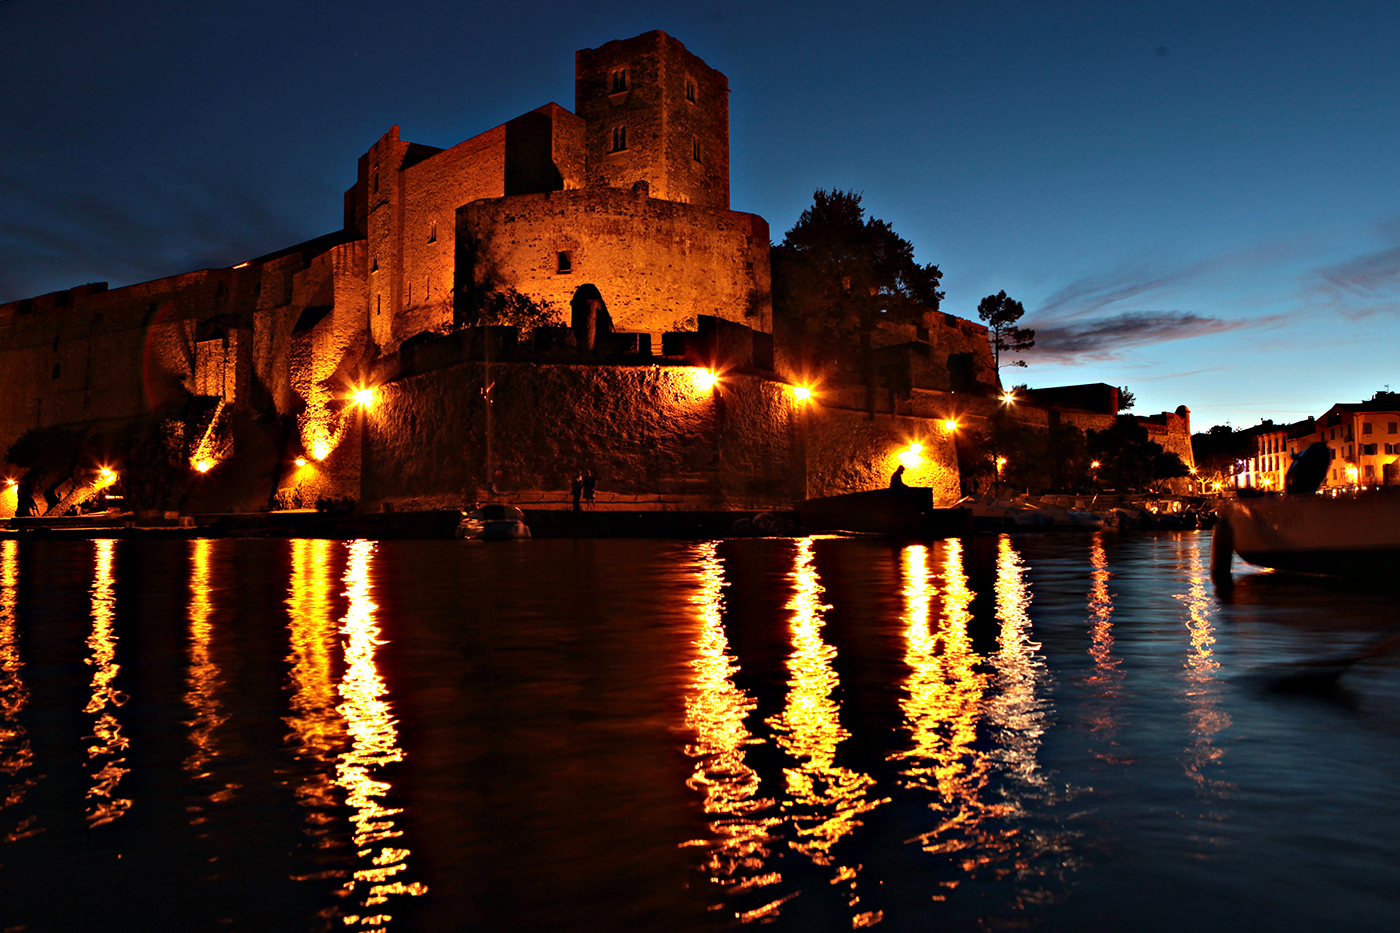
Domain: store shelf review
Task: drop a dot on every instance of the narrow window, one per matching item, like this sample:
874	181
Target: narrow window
375	267
56	370
619	81
378	305
1365	427
690	90
695	150
619	139
432	233
566	262
1390	427
410	293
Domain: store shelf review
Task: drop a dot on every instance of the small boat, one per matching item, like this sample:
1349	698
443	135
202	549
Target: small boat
493	522
1344	536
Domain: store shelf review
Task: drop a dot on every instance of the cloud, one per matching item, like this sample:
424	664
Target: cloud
1105	338
56	239
1360	287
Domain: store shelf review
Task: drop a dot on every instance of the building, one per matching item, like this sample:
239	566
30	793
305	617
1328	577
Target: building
490	317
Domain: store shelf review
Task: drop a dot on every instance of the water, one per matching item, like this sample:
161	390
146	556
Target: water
1045	733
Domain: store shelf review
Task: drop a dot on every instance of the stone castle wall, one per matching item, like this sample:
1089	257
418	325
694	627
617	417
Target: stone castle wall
674	107
658	263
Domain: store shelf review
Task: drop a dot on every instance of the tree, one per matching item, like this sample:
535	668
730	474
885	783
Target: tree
1126	399
1001	314
838	275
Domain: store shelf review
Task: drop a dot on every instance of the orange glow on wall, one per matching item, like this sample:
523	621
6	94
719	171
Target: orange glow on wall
300	461
912	455
705	379
364	397
801	393
950	425
320	451
204	466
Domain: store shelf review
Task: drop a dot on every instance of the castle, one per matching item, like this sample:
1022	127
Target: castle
547	296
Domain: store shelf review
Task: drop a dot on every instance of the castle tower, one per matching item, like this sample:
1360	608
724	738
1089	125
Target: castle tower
654	113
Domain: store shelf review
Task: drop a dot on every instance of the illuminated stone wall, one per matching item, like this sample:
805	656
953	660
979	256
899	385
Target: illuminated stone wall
658	263
652	434
674	108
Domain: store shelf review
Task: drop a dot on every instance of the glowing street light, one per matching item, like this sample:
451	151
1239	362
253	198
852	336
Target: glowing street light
364	397
300	461
912	455
950	425
106	473
801	393
705	379
1009	398
1094	465
320	451
204	466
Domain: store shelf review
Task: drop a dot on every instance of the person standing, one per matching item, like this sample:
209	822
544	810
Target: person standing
576	489
590	487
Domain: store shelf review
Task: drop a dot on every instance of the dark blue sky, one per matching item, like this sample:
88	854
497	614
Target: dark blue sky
1198	201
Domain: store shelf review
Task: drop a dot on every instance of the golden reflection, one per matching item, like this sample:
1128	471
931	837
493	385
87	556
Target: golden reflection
715	710
825	800
16	756
318	732
374	744
105	754
1015	710
1204	714
204	681
1104	681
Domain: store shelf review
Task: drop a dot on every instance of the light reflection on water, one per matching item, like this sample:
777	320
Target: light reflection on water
715	711
107	751
824	801
370	722
204	681
1023	732
16	754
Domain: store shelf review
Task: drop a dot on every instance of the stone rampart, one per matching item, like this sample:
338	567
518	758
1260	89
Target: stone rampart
658	264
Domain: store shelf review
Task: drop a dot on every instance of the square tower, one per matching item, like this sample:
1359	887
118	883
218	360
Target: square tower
654	113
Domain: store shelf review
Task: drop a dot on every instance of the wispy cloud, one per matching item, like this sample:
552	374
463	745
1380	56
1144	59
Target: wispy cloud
1105	338
1360	287
60	238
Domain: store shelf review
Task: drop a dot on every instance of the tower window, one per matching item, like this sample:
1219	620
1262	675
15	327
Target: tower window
432	233
695	150
690	90
56	370
376	182
619	139
566	262
619	81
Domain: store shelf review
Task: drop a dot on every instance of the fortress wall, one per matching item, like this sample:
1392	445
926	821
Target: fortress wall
658	263
87	354
432	191
648	432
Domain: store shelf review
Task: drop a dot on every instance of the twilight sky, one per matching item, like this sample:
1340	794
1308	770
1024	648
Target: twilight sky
1196	200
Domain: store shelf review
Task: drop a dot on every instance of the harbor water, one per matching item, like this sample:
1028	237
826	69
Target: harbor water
1055	732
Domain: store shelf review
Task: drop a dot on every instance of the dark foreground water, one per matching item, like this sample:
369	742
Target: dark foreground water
1058	732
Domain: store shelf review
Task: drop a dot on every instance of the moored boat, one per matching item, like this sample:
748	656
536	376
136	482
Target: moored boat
493	522
1347	536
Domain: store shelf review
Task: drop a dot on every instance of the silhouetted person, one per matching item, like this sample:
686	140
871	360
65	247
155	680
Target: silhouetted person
590	487
576	489
1309	469
897	480
589	318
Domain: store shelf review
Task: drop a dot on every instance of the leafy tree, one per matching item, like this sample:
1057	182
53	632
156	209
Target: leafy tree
838	275
1126	399
1130	459
1001	314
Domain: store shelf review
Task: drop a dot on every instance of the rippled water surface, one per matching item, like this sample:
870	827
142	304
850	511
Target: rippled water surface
1054	732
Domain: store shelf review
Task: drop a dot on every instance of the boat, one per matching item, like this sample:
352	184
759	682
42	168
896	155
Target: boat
1344	536
493	522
